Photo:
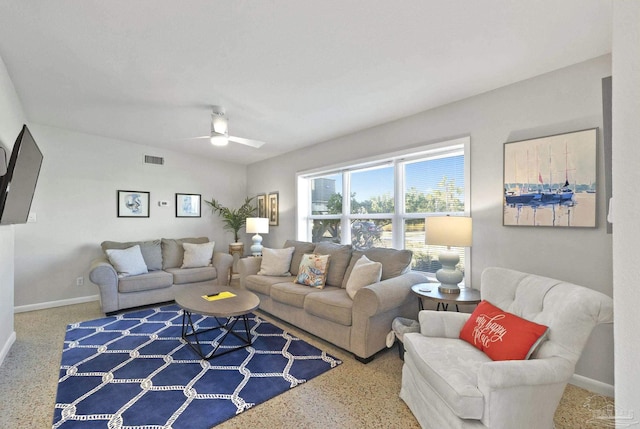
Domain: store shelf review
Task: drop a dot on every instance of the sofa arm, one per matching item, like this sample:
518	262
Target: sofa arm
102	274
248	266
441	323
385	295
222	263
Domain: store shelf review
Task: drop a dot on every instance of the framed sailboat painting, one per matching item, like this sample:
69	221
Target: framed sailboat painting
551	181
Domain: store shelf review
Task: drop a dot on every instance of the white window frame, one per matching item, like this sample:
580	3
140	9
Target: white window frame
304	218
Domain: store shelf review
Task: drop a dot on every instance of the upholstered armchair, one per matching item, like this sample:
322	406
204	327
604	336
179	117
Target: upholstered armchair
449	383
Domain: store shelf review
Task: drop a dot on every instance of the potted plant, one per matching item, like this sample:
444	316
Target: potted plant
233	219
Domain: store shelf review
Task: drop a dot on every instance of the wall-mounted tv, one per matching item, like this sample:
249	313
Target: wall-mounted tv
19	183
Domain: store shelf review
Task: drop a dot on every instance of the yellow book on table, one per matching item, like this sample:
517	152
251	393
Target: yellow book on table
217	296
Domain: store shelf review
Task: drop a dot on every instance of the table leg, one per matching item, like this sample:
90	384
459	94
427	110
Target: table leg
227	326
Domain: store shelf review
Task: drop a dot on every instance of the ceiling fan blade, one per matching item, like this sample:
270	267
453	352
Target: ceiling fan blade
249	142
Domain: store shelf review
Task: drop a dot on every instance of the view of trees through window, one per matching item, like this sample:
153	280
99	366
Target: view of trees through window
377	217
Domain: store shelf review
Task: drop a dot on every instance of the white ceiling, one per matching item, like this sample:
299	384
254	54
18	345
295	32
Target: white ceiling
291	73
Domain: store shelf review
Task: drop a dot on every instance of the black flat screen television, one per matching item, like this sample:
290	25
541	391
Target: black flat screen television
19	183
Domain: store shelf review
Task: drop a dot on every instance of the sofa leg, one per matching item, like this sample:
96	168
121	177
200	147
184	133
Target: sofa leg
364	360
400	350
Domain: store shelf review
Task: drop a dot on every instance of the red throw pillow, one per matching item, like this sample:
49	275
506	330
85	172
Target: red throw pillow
502	335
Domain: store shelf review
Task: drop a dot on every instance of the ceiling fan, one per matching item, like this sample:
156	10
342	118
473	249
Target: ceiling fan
220	130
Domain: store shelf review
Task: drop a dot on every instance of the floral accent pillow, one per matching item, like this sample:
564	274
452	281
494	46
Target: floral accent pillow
313	270
502	335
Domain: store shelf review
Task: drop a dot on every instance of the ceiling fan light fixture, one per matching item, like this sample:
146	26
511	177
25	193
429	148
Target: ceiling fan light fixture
219	139
219	127
219	124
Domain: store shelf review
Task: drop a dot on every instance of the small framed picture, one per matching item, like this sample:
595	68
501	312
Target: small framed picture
273	209
262	205
188	205
133	204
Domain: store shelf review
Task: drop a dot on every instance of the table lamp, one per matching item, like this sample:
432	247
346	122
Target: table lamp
257	226
449	231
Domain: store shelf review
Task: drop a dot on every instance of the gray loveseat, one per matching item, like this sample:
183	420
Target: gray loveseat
359	325
163	259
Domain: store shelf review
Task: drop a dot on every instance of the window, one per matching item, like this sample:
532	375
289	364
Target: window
389	199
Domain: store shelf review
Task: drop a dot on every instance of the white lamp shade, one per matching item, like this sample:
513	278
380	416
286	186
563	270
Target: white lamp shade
456	231
257	225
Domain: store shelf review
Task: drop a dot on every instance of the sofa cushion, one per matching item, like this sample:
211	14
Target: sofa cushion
301	247
153	280
173	252
340	257
365	272
262	284
192	275
394	262
313	270
502	335
276	262
150	250
291	293
197	255
331	304
127	262
450	367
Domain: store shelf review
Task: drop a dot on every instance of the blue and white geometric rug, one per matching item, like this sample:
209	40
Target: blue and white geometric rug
134	370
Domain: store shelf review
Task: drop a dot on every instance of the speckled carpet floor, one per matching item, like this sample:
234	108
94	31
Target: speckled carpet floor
352	395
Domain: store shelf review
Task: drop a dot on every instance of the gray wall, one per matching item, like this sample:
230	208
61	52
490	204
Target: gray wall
75	206
11	119
626	205
564	100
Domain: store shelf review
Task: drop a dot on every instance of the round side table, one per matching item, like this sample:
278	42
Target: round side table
237	251
430	291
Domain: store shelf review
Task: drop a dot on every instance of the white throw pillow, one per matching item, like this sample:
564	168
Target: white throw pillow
127	262
276	262
365	272
197	255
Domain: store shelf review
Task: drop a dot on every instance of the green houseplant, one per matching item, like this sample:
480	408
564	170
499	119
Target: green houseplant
233	219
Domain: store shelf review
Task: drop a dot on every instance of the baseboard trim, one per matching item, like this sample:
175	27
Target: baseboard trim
593	385
52	304
7	346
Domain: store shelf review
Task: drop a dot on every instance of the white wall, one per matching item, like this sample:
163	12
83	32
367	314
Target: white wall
626	229
11	119
75	206
564	100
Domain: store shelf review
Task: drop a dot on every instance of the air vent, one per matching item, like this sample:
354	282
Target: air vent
155	160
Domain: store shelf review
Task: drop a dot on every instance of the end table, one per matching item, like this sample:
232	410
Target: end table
430	291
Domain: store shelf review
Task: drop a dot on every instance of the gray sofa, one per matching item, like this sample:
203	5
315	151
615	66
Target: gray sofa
163	258
359	325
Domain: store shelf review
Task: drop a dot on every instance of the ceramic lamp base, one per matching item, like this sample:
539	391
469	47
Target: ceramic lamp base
256	247
449	276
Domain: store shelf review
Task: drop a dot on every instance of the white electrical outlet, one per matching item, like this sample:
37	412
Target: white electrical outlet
80	281
32	217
